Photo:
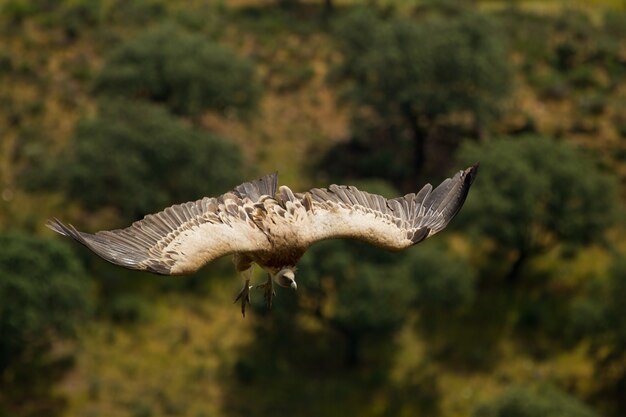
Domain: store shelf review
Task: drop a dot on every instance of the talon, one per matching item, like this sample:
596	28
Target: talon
268	291
244	296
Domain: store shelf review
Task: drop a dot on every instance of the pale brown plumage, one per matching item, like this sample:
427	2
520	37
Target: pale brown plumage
274	228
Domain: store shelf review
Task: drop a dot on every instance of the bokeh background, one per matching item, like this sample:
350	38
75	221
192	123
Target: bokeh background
112	109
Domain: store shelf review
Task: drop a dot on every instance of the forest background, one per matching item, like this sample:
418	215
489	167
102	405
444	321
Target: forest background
112	109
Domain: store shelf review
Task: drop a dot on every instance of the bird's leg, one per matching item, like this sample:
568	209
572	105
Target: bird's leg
268	290
244	294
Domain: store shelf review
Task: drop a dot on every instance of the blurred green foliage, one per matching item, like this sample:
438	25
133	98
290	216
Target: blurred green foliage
130	148
541	402
568	52
371	292
109	110
535	193
407	78
18	10
44	296
443	65
186	72
442	281
610	341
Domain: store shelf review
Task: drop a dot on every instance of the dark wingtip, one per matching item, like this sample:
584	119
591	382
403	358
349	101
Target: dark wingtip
471	172
468	176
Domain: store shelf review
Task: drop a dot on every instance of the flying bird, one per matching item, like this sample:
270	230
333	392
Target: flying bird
273	227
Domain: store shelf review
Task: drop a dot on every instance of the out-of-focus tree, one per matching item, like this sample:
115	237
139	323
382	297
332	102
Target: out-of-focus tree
568	54
534	193
44	296
609	346
442	281
329	5
361	293
186	72
540	402
445	294
408	76
138	158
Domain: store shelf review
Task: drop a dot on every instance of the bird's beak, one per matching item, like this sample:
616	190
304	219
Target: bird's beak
293	285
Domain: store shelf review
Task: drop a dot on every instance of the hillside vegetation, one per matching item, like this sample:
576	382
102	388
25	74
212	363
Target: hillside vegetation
110	110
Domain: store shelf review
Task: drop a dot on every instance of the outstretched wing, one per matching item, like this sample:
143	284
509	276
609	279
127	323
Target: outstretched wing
184	237
345	212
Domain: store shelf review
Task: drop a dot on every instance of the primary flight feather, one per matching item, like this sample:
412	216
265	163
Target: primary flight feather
258	223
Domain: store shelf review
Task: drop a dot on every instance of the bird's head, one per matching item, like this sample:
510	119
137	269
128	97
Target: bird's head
286	278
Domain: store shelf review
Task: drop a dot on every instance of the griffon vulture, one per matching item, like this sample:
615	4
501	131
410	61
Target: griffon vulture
258	223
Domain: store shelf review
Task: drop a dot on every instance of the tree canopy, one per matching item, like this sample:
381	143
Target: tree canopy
408	77
535	192
538	402
44	296
611	355
138	158
184	71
